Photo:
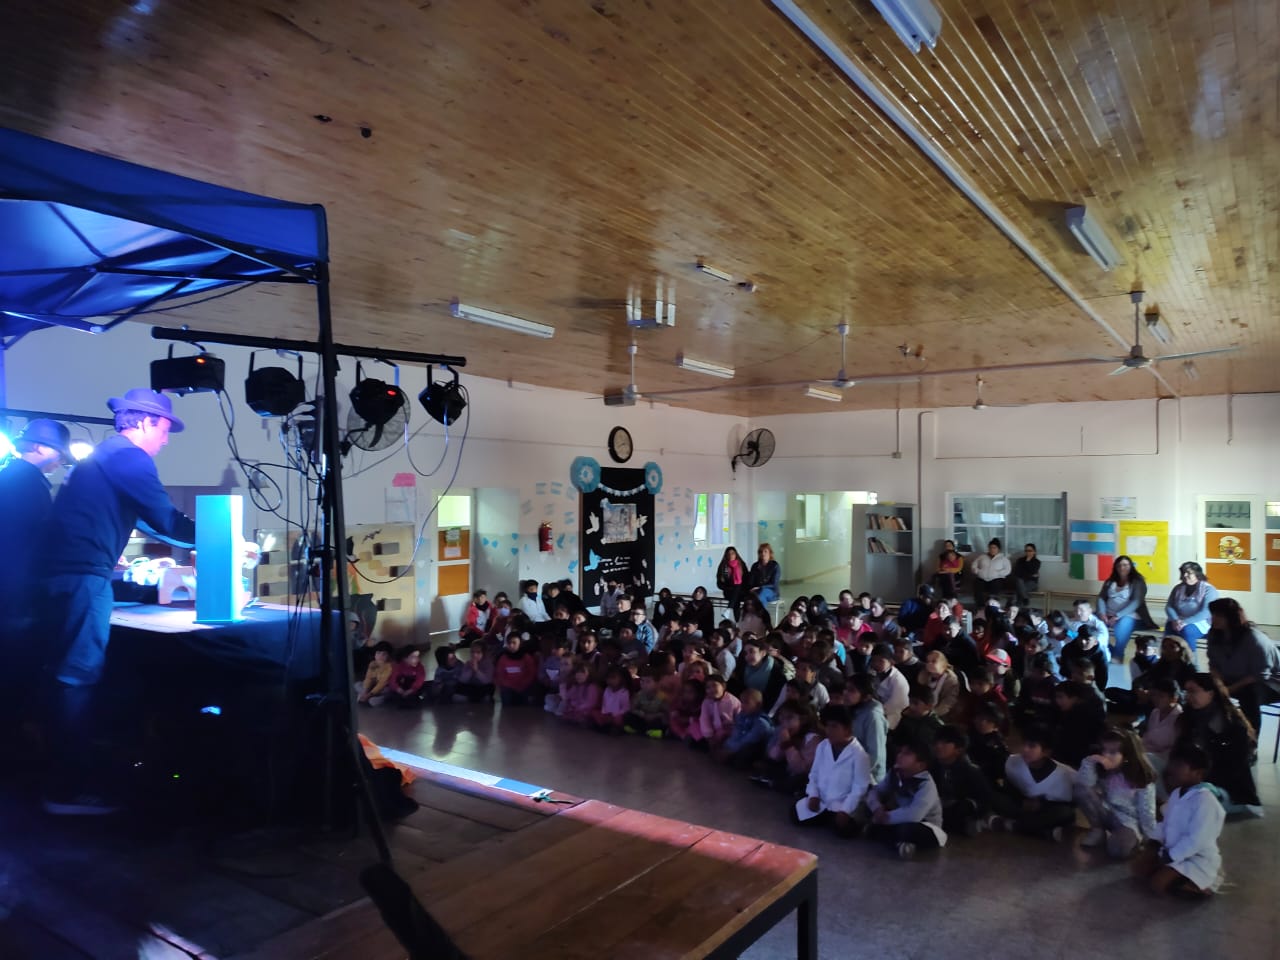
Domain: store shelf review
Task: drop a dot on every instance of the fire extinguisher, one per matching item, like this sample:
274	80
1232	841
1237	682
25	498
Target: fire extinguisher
544	538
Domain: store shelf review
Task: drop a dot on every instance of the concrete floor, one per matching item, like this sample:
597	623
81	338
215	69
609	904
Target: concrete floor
994	896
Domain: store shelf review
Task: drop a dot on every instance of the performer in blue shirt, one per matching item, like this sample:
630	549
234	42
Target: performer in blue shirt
110	492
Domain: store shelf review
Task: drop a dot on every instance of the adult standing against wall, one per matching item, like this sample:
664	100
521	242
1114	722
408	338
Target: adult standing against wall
731	579
1122	604
112	491
1187	612
765	579
991	571
26	498
1244	658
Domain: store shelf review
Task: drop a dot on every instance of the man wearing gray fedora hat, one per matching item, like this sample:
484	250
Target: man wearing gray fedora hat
110	493
26	497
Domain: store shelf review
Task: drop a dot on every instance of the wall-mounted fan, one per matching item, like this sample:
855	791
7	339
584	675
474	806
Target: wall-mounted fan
378	416
756	449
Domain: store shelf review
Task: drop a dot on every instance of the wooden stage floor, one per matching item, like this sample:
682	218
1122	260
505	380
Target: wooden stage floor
505	875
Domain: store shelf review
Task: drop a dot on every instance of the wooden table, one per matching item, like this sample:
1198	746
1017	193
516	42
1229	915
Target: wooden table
587	881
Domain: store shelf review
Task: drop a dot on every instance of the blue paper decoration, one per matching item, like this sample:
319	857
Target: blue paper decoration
653	478
584	474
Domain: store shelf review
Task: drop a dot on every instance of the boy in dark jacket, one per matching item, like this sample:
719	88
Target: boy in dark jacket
918	723
1079	724
987	748
962	787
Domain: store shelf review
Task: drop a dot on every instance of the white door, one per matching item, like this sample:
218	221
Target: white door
1239	547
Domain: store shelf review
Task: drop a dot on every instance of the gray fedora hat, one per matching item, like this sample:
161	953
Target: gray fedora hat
142	400
48	433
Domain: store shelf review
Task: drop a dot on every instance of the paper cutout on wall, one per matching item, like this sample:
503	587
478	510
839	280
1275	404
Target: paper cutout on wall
1147	544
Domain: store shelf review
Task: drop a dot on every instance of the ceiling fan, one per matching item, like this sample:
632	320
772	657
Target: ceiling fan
1137	359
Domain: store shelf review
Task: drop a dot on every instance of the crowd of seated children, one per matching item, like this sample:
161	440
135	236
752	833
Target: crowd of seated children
892	727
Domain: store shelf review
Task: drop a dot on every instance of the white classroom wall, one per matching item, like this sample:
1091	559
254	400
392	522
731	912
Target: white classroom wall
522	440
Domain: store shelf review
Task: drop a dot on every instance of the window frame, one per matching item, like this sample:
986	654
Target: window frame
823	533
1005	526
708	542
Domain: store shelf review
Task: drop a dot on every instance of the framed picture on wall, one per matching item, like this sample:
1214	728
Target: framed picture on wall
619	522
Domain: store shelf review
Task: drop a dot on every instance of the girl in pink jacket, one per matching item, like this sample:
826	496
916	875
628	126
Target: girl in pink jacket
579	697
719	710
614	702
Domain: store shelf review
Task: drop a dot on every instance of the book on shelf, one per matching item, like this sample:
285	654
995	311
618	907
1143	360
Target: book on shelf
876	521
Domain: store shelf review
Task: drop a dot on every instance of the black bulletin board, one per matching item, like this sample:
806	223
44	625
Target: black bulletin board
617	535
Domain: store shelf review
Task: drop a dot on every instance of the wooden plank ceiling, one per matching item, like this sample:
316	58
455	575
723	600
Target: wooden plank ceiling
540	158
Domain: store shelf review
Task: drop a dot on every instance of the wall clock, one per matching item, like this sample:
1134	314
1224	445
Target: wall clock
620	445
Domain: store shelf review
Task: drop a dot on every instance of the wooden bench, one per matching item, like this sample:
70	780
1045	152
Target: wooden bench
589	880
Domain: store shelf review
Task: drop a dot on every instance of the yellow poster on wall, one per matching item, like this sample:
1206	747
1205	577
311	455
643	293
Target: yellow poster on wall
1147	543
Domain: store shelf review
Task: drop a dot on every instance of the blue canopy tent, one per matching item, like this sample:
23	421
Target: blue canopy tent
94	241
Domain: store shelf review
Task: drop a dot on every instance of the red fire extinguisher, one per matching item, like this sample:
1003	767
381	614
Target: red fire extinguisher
544	538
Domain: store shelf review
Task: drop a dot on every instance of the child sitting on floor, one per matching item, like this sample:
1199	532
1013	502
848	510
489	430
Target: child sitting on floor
750	733
516	672
790	752
1035	703
444	683
1188	862
919	724
553	669
408	677
685	719
1160	730
615	702
963	790
1038	791
987	748
475	677
579	695
373	690
906	812
1078	725
719	709
839	778
1116	792
648	713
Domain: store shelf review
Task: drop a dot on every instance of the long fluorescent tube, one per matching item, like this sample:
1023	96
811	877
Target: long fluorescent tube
702	366
503	321
1157	327
1189	368
1092	237
817	393
711	271
915	21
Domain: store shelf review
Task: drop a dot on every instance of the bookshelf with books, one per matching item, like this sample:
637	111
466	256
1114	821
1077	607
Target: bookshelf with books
885	550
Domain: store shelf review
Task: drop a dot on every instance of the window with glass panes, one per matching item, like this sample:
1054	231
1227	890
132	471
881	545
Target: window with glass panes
1015	518
711	521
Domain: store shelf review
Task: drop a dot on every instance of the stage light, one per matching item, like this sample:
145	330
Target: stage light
79	449
445	400
273	391
213	711
7	449
375	401
202	373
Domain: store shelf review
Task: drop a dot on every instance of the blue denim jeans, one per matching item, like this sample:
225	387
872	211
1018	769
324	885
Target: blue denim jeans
1120	634
1190	633
767	594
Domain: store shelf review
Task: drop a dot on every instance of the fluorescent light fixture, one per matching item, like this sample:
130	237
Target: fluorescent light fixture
1092	237
702	366
1189	368
817	393
1156	326
915	21
711	271
79	449
502	321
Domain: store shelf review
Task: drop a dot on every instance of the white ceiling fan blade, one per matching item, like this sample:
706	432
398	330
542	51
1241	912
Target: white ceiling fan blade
1119	370
1197	353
